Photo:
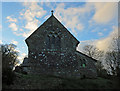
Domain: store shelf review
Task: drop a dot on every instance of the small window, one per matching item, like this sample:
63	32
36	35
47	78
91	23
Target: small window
53	40
48	42
83	65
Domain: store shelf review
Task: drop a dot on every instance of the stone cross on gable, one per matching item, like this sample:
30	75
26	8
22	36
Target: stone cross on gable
52	12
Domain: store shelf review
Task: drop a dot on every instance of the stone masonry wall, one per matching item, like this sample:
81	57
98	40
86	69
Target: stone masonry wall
52	50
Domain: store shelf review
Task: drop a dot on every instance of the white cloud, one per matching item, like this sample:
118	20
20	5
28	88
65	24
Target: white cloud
46	17
21	57
104	44
0	41
83	43
26	34
14	42
17	34
32	11
105	12
11	19
13	26
0	26
100	34
32	25
23	54
21	30
18	50
71	16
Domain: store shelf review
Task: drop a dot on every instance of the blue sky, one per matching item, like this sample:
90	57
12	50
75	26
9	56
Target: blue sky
87	21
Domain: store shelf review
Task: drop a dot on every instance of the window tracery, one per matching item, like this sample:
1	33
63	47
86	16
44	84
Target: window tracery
53	40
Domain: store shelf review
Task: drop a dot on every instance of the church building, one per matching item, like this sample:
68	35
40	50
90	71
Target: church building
52	50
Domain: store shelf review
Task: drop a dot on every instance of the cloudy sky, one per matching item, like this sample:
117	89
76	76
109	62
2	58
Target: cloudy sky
90	22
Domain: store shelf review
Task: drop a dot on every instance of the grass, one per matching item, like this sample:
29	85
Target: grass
55	82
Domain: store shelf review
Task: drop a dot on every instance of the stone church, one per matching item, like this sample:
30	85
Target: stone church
52	50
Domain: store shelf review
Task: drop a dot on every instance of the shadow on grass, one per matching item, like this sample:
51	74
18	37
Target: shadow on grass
58	82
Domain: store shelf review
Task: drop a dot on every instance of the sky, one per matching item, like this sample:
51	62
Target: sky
93	23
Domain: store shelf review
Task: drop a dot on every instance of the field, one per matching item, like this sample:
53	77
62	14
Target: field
55	82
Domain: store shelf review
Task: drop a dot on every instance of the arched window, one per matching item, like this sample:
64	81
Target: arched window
83	63
58	42
53	41
48	42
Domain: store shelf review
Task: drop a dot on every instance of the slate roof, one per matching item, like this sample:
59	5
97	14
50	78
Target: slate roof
86	56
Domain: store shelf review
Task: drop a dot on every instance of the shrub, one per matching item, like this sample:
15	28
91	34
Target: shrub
8	76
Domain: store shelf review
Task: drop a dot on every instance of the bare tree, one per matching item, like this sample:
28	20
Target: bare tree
9	55
9	60
112	57
111	61
93	52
